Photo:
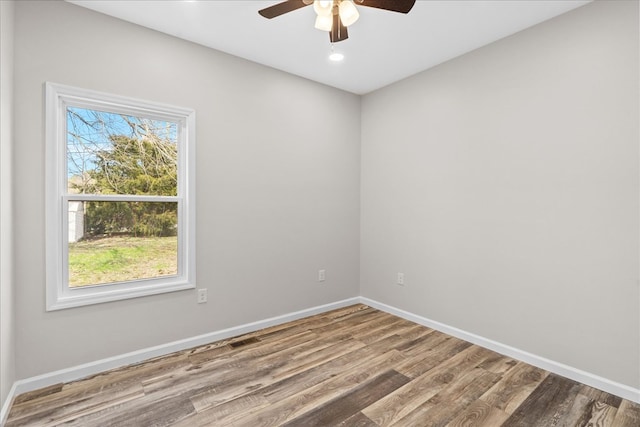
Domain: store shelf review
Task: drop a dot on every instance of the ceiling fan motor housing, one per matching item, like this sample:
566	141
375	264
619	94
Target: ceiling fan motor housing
335	16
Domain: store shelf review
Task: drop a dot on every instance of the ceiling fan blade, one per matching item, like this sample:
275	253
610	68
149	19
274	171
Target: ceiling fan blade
283	7
338	31
402	6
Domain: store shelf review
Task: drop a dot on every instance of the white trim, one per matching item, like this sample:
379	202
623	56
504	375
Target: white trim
604	384
118	198
81	371
79	297
58	294
129	105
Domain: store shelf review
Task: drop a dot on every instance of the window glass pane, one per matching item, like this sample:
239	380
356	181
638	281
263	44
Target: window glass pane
112	242
111	153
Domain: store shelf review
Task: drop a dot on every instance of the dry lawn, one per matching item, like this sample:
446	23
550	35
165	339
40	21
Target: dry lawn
117	259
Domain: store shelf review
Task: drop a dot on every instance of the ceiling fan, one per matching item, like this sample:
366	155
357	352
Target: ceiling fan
335	16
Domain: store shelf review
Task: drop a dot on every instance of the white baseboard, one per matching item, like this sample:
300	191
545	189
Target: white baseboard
92	368
595	381
88	369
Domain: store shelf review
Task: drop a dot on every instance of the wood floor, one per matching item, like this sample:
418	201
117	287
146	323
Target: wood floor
355	366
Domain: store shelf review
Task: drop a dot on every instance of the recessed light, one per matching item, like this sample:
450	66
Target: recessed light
336	57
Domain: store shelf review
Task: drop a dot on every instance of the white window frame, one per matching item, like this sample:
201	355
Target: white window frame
59	294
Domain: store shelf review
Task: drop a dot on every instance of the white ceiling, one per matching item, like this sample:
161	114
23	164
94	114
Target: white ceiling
383	47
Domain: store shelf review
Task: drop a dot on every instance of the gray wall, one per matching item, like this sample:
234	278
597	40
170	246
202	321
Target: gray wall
7	329
277	195
504	184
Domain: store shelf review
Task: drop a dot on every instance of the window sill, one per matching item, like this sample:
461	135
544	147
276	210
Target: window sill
107	294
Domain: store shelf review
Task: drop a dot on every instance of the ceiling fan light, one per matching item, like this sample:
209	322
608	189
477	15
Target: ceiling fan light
348	13
323	7
324	22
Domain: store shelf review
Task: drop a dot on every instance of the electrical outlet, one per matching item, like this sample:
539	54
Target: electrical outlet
321	275
202	296
400	280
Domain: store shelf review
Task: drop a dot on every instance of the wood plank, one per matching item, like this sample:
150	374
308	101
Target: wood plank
548	403
96	389
319	373
295	399
321	356
498	364
628	415
602	415
601	396
376	334
357	420
340	314
400	403
211	409
391	342
229	382
416	332
229	367
227	412
32	395
514	388
428	336
65	406
356	322
435	340
580	411
70	412
434	355
359	313
479	414
349	404
161	413
263	379
439	410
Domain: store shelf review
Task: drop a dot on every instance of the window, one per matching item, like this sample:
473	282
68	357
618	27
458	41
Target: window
120	218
